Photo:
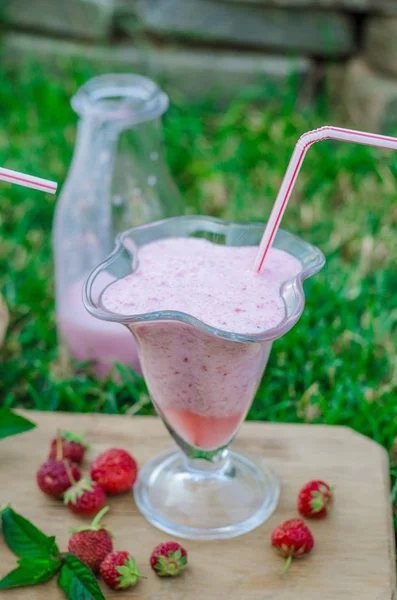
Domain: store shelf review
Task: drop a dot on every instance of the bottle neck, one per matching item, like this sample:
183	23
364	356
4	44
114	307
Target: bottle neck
118	171
98	142
111	108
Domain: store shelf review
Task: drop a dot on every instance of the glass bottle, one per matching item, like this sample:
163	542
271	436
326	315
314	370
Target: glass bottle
118	178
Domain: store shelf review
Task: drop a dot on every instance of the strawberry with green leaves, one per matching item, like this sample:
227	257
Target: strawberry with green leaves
315	499
292	539
92	543
85	497
119	570
73	447
168	559
56	475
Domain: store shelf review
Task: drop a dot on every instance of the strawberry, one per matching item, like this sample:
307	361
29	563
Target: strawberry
54	477
119	570
168	559
315	500
115	470
91	544
293	540
73	447
85	497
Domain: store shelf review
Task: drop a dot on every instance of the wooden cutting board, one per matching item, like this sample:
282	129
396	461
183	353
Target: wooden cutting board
353	559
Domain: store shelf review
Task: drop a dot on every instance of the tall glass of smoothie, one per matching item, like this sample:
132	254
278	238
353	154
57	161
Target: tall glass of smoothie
204	324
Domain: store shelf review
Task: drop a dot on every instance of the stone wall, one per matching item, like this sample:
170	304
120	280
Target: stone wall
202	47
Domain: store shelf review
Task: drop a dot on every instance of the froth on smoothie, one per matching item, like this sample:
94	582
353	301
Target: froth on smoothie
208	281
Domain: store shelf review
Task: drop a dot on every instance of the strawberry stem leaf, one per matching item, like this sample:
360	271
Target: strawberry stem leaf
129	574
287	564
77	490
95	525
75	437
69	472
317	494
59	447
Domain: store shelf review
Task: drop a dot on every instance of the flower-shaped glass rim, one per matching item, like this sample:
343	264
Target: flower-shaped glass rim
311	258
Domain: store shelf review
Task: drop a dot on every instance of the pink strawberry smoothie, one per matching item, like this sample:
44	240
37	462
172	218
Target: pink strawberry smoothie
200	382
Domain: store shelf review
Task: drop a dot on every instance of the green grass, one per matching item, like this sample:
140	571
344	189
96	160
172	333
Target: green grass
337	366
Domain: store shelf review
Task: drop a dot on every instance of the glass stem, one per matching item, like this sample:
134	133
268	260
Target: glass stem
208	461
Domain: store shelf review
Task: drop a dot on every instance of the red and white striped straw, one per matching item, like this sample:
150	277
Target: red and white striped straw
291	174
28	181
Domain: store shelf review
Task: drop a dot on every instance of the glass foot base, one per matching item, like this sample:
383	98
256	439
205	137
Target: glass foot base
198	500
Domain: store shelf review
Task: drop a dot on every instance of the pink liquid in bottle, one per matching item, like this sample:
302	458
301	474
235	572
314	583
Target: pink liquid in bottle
88	338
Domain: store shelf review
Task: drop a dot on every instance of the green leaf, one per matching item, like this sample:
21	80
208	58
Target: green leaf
12	424
75	437
24	539
77	581
317	495
30	571
77	490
